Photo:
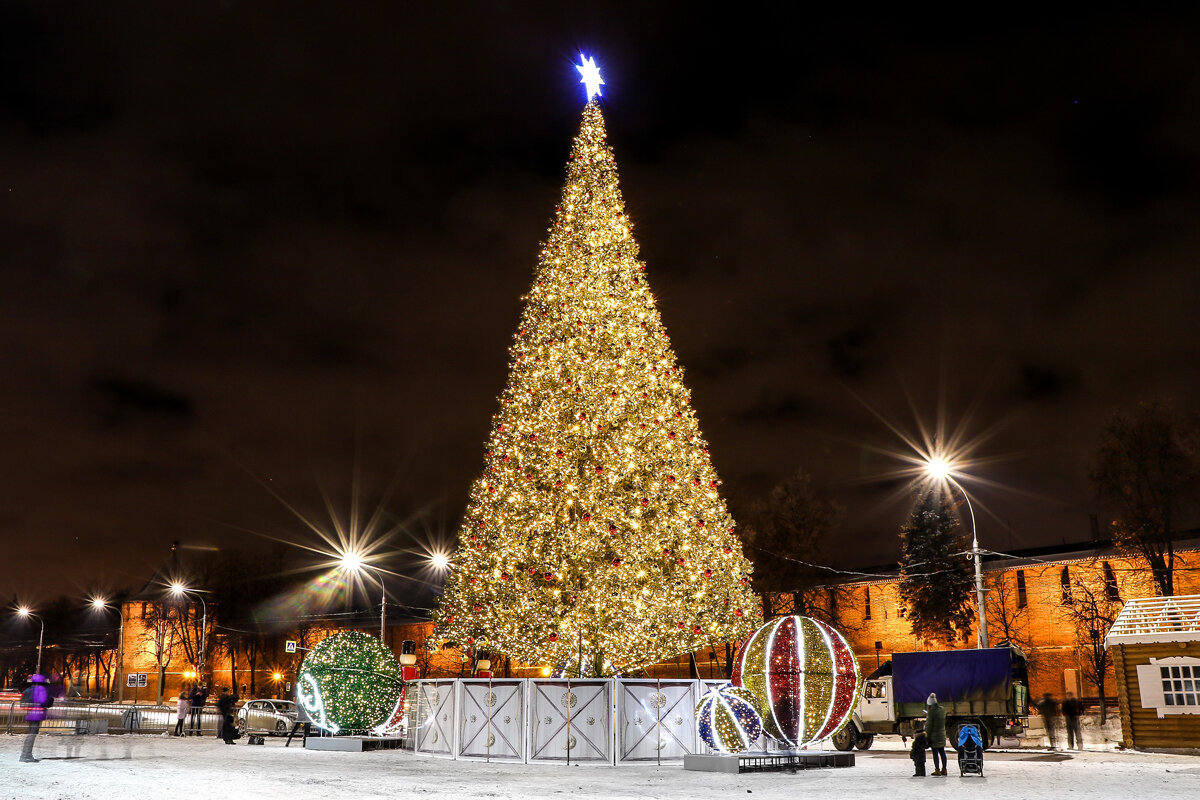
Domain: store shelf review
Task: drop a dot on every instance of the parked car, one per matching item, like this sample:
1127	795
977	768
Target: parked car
266	716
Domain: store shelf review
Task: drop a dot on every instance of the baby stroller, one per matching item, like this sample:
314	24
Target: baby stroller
970	751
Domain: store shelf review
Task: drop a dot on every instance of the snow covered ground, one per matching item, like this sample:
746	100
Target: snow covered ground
145	767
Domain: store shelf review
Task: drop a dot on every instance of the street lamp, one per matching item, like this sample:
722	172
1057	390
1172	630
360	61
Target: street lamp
179	590
25	613
100	604
940	469
353	562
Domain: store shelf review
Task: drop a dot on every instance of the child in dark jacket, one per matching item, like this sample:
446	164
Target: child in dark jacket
917	751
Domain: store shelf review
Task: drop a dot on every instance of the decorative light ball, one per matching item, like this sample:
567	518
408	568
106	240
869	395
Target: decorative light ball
349	683
727	719
803	676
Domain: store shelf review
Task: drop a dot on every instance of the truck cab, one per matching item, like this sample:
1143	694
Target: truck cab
876	702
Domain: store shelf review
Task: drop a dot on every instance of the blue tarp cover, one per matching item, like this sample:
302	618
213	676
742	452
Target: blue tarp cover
953	674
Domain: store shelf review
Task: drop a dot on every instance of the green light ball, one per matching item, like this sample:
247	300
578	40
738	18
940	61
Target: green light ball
349	683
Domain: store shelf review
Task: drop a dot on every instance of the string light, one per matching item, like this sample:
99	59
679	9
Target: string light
577	545
349	683
803	677
727	719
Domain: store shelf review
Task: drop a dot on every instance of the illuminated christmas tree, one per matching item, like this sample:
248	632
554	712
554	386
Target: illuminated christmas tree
596	537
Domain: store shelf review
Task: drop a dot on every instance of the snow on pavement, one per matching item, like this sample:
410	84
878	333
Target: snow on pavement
146	767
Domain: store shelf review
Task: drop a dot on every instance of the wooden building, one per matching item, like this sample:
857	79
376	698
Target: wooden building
1155	644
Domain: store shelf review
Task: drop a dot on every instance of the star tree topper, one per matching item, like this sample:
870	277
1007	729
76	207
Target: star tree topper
591	76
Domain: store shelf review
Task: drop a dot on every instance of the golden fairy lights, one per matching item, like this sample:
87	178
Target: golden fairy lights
597	532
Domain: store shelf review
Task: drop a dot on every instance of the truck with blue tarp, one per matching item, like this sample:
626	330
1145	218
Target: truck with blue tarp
988	688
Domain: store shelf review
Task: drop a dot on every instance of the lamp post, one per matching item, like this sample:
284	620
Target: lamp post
26	613
940	469
179	590
100	604
353	563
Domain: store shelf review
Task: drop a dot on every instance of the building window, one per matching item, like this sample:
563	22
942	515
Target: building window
902	612
1022	595
1110	583
1066	586
143	610
866	602
1180	685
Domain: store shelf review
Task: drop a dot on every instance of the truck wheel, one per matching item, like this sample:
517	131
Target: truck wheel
844	739
864	741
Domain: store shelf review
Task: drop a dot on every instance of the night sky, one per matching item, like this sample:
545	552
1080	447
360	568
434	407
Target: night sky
251	247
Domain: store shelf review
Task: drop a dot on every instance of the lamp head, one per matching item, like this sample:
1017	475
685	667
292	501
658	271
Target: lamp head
23	612
178	588
352	561
439	561
938	468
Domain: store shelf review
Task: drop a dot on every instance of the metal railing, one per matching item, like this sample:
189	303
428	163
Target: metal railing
116	718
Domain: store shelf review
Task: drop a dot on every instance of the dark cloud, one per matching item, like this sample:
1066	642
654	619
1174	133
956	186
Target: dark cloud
267	241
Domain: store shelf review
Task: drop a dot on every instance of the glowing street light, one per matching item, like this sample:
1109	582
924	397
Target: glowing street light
101	604
25	613
939	468
179	590
439	561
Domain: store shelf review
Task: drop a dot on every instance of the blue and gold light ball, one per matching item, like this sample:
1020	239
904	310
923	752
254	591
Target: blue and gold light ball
349	683
803	677
727	720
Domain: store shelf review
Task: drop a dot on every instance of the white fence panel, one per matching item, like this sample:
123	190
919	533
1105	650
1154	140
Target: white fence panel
570	720
436	717
656	719
491	719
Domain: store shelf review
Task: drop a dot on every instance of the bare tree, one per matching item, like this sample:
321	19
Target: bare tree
157	639
1092	611
1147	470
784	534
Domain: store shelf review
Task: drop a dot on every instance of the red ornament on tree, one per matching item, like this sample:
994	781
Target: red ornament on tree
549	576
586	517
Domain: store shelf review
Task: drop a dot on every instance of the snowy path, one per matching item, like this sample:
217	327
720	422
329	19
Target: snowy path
140	767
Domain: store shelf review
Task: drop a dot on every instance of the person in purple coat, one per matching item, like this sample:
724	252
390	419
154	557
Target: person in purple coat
36	699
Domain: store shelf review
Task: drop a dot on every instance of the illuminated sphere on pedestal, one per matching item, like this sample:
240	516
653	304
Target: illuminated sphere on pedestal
727	720
350	683
803	676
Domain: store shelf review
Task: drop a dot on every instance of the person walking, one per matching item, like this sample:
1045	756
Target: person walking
225	726
36	699
1072	710
1048	708
935	731
196	703
917	752
181	712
